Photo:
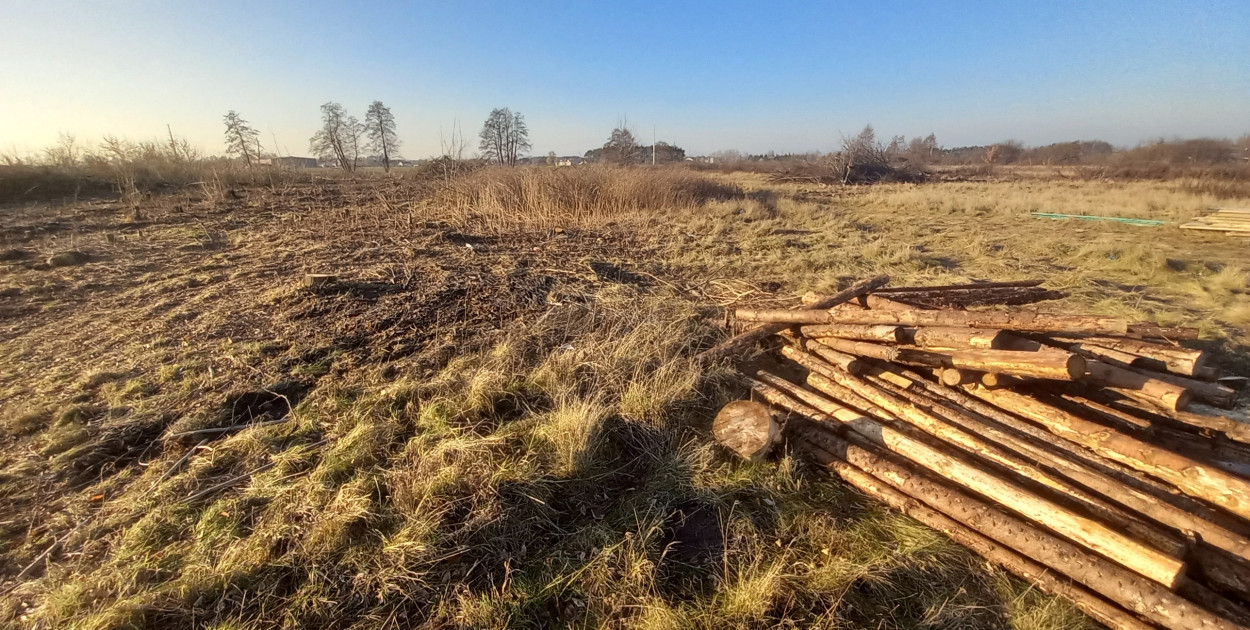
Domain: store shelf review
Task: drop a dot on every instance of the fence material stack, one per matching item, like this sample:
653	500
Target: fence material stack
1234	221
1082	453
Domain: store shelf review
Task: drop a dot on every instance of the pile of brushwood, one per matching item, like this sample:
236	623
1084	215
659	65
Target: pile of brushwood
1067	449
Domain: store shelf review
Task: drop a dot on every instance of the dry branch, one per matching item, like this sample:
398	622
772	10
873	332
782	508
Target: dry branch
974	286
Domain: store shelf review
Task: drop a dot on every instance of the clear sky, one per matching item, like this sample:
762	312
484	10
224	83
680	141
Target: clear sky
753	76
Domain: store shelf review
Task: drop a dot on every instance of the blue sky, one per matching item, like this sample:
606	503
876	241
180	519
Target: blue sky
753	76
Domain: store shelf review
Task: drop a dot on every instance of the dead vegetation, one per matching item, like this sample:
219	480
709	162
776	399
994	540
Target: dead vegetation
492	418
505	200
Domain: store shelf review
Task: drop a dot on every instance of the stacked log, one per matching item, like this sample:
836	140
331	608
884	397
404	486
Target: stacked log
1062	448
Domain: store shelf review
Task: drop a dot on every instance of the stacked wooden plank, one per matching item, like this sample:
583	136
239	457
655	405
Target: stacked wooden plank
1061	447
1228	220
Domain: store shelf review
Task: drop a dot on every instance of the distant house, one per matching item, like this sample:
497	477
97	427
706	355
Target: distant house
289	162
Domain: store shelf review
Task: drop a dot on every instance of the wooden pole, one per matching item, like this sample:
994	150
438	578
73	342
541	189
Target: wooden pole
1218	553
1049	365
1161	332
887	334
974	286
1194	478
956	376
848	362
1088	532
1232	534
1232	429
1123	587
1152	390
750	337
1204	391
973	443
1004	556
1001	297
815	365
1141	354
939	337
1015	320
1099	480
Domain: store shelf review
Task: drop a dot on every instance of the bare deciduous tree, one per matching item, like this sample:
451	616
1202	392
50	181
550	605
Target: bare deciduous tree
383	142
921	150
339	137
504	137
621	147
66	152
242	140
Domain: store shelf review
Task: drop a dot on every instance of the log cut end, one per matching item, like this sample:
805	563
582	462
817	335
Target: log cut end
746	428
1076	366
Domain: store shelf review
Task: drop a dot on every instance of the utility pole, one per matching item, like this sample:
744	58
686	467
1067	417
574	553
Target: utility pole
173	146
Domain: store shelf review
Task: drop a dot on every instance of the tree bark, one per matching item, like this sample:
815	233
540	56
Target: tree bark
1036	322
1194	478
1123	587
939	337
1002	555
972	442
1088	532
1048	365
848	362
750	337
887	334
1138	386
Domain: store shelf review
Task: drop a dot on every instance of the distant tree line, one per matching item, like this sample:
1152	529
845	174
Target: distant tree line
344	141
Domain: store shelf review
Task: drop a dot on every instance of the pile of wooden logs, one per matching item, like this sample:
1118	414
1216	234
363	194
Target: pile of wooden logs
1064	448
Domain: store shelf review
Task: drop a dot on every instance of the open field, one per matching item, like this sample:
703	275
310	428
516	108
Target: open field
493	419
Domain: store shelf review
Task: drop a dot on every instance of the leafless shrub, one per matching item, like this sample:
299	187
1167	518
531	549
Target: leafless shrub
862	160
130	169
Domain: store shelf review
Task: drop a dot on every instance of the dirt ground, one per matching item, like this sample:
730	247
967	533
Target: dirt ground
122	327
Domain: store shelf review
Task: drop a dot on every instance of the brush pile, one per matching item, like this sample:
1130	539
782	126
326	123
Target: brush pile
1068	449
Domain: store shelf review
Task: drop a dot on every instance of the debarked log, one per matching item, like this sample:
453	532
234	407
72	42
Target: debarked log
1087	532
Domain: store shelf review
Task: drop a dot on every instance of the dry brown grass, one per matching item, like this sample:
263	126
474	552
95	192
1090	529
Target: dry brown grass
507	435
504	200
